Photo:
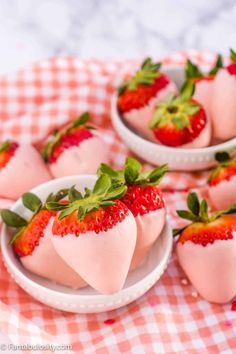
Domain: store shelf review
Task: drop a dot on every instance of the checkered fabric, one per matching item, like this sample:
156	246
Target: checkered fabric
169	318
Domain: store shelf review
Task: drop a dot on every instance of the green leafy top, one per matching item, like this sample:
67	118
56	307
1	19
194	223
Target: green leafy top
147	74
198	212
32	202
224	160
57	135
4	146
103	194
192	71
176	109
132	173
232	55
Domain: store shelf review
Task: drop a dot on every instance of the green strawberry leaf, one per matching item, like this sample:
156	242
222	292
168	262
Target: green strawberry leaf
157	174
81	213
115	193
177	232
74	194
191	109
31	201
187	90
16	235
181	121
132	170
102	185
232	55
12	219
185	214
55	206
230	210
204	211
218	65
81	120
107	203
192	71
48	148
4	146
222	156
193	203
62	193
108	170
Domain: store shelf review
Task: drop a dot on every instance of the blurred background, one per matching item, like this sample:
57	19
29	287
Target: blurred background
31	30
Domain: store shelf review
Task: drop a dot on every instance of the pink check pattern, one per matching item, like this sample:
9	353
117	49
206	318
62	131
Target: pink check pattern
170	318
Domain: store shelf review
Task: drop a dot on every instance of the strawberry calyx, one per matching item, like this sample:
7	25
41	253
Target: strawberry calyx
104	194
193	72
231	68
225	169
146	75
176	110
72	135
7	150
198	212
132	174
35	224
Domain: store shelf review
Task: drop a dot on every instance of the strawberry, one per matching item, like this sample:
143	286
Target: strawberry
28	233
95	234
73	135
206	246
32	241
144	198
222	181
144	85
7	150
231	68
179	121
193	73
223	105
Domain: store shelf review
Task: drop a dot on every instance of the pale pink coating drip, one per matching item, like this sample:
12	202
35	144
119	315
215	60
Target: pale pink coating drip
211	268
139	119
46	262
223	105
102	259
82	159
24	171
149	227
223	194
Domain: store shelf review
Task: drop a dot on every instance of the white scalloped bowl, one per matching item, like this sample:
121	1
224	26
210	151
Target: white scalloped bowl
85	300
177	159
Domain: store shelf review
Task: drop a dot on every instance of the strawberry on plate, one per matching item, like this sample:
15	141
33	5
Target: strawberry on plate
206	250
223	108
138	95
95	234
76	149
21	168
32	241
222	182
180	121
203	82
144	198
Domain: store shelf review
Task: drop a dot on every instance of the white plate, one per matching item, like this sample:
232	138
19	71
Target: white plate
177	159
85	300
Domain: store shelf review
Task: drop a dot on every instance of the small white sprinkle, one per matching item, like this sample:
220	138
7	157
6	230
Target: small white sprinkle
194	294
184	281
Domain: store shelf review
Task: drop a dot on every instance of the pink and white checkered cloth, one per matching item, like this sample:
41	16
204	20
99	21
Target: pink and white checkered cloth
167	319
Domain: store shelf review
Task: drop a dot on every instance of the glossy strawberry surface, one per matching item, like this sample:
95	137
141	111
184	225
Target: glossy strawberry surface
102	219
135	99
143	199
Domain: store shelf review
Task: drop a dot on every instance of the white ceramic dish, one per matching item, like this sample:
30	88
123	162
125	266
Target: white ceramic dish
177	159
85	300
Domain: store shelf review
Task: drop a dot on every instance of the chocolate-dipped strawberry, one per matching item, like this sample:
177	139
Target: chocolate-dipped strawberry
32	241
138	95
203	82
76	149
206	250
222	182
144	198
223	108
96	235
181	122
21	169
